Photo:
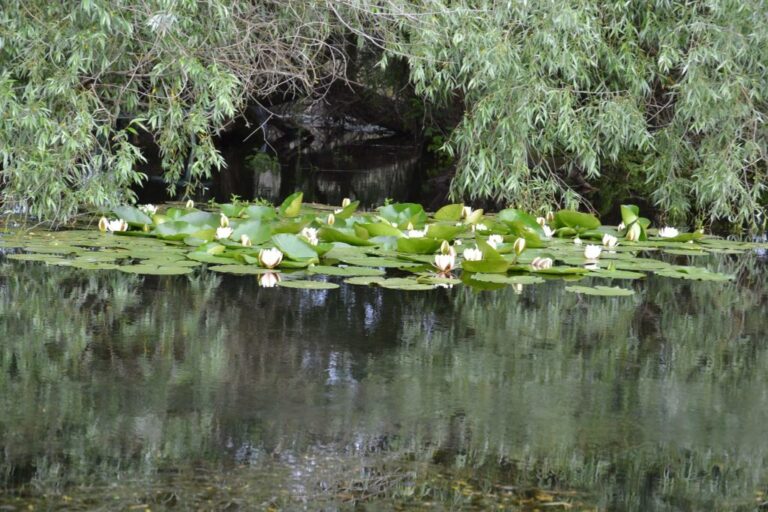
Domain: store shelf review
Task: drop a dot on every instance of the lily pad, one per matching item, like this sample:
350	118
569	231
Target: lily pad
693	273
615	274
605	291
363	280
241	269
155	270
497	278
345	271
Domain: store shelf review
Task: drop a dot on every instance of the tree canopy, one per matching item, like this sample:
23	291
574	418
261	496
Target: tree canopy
662	98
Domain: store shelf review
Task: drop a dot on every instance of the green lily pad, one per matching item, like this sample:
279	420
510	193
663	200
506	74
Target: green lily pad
685	252
155	270
615	274
605	291
345	271
404	283
374	261
497	278
241	269
693	273
204	257
450	212
308	285
364	280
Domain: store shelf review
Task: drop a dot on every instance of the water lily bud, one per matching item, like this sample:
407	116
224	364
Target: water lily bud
270	258
550	217
466	212
103	223
633	234
445	262
473	254
245	240
668	232
189	204
610	241
222	233
541	221
445	247
621	226
223	221
592	252
519	245
541	263
331	219
345	202
269	279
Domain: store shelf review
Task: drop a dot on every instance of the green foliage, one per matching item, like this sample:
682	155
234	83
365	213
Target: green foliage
560	90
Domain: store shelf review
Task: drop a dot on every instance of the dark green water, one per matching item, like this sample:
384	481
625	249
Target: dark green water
122	392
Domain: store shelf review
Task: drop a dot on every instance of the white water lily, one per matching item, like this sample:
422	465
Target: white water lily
189	204
222	233
415	233
621	226
149	209
270	258
223	220
346	202
466	212
610	241
541	221
495	240
541	263
310	234
479	227
473	254
550	217
445	262
245	240
269	279
592	252
577	240
331	219
548	231
114	226
457	242
668	232
519	245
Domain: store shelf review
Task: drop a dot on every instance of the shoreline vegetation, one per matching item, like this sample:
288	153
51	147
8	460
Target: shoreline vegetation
398	246
658	103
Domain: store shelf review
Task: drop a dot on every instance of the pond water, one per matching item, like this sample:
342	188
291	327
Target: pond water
127	392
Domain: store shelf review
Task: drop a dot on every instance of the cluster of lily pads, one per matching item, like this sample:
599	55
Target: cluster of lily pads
397	246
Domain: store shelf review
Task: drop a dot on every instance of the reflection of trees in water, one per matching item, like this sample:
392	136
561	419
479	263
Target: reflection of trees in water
656	396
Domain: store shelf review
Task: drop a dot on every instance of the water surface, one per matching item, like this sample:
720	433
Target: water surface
127	392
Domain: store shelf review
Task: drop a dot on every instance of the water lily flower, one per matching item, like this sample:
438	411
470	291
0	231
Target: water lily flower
269	279
519	245
415	233
223	221
346	202
668	232
548	231
331	219
495	240
222	233
621	226
541	221
245	240
479	227
473	254
270	258
457	241
445	262
466	212
149	209
610	241
112	226
310	234
189	204
592	252
541	263
633	234
550	217
577	240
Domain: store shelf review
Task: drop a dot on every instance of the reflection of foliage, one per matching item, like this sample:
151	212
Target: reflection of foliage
641	402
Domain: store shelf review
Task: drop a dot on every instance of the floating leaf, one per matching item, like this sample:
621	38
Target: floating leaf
450	212
693	273
292	205
502	279
294	247
403	214
576	220
615	274
404	283
335	235
132	216
373	261
345	271
605	291
418	245
155	270
363	280
241	269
